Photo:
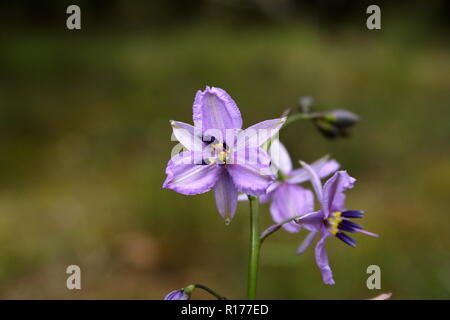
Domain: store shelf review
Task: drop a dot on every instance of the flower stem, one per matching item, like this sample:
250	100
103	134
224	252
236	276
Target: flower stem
275	227
254	248
210	291
298	116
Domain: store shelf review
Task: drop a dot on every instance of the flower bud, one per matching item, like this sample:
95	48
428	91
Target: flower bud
335	123
180	294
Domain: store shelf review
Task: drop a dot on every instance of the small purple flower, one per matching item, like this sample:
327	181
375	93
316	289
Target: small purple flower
177	295
288	198
332	219
220	154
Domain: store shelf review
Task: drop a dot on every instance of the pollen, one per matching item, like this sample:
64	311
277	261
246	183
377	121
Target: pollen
222	156
333	222
211	160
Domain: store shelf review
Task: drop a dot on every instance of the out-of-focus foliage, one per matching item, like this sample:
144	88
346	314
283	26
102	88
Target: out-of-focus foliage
85	137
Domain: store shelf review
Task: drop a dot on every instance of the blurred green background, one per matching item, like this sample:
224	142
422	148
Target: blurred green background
85	138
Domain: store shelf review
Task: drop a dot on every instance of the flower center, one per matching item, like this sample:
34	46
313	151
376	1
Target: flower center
219	154
333	222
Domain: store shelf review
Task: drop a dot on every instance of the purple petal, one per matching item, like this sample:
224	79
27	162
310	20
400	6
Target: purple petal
176	295
259	133
306	242
187	135
312	221
187	178
314	178
242	197
214	109
251	172
333	192
280	156
264	198
322	260
288	201
323	167
226	196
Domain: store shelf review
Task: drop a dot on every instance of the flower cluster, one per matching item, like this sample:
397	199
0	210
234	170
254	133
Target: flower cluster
218	154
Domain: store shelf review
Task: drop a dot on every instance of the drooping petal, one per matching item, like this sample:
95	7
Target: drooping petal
250	171
280	156
323	167
226	196
333	192
214	109
264	198
306	242
322	260
259	133
188	136
314	178
187	178
288	201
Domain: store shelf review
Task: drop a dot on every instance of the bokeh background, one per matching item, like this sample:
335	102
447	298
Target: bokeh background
85	138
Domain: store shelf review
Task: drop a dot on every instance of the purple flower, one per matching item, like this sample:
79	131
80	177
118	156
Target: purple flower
288	198
220	154
332	219
177	295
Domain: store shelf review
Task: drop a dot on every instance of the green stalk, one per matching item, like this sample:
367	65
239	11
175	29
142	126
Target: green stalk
297	116
255	244
210	291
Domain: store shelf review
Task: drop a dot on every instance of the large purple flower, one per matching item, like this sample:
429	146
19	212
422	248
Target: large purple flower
288	198
220	154
332	219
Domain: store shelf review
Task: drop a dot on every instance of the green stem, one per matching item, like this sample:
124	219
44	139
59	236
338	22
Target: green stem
254	248
210	291
297	116
274	228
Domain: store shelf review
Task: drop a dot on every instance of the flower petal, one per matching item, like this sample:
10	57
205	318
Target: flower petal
187	178
322	260
314	178
323	167
251	172
333	192
242	197
226	196
214	109
187	135
306	242
288	201
280	157
312	221
177	295
259	133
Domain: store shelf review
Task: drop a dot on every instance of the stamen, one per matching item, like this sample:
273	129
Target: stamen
353	214
208	139
368	233
345	238
333	222
350	225
344	227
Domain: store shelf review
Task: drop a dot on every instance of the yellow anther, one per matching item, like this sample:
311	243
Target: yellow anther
222	156
333	222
